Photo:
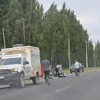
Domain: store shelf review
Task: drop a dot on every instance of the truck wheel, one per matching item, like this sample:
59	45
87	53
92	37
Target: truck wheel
21	81
34	80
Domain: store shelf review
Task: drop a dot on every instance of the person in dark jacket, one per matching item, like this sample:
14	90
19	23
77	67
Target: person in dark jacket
46	67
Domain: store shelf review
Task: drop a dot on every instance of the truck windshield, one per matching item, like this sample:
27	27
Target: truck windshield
11	61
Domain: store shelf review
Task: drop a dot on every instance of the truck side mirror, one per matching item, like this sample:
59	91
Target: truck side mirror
25	63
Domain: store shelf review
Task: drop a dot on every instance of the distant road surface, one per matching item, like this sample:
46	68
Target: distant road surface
85	87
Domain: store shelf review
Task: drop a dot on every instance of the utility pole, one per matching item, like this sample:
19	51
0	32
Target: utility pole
86	56
95	57
69	53
4	37
24	30
95	54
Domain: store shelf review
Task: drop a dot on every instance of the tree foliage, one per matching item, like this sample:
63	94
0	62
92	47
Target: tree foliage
97	54
49	31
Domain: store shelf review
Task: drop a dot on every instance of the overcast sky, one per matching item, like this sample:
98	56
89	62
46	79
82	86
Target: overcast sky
87	11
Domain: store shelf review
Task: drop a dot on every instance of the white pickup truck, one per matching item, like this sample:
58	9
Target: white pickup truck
20	64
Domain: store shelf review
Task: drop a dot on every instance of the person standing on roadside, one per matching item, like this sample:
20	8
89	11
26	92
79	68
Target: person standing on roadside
47	68
77	67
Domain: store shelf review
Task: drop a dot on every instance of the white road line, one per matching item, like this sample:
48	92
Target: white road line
4	86
62	89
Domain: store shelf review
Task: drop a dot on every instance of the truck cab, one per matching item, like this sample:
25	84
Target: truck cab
19	64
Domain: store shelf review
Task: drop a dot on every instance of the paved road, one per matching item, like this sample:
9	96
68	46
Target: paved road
85	87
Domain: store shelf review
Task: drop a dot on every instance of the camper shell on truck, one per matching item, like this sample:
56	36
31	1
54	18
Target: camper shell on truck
20	64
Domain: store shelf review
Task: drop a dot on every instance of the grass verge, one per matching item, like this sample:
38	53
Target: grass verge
86	70
92	69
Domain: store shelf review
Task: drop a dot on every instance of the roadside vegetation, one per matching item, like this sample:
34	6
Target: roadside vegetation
25	22
86	70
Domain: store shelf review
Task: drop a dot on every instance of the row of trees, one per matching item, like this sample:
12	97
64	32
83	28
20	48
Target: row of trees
97	54
25	22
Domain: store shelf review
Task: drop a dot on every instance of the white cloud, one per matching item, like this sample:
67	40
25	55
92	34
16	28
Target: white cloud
86	19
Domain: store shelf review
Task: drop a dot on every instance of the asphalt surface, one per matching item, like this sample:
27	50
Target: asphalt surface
85	87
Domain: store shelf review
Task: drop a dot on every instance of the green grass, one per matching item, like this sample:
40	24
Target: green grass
86	70
92	69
